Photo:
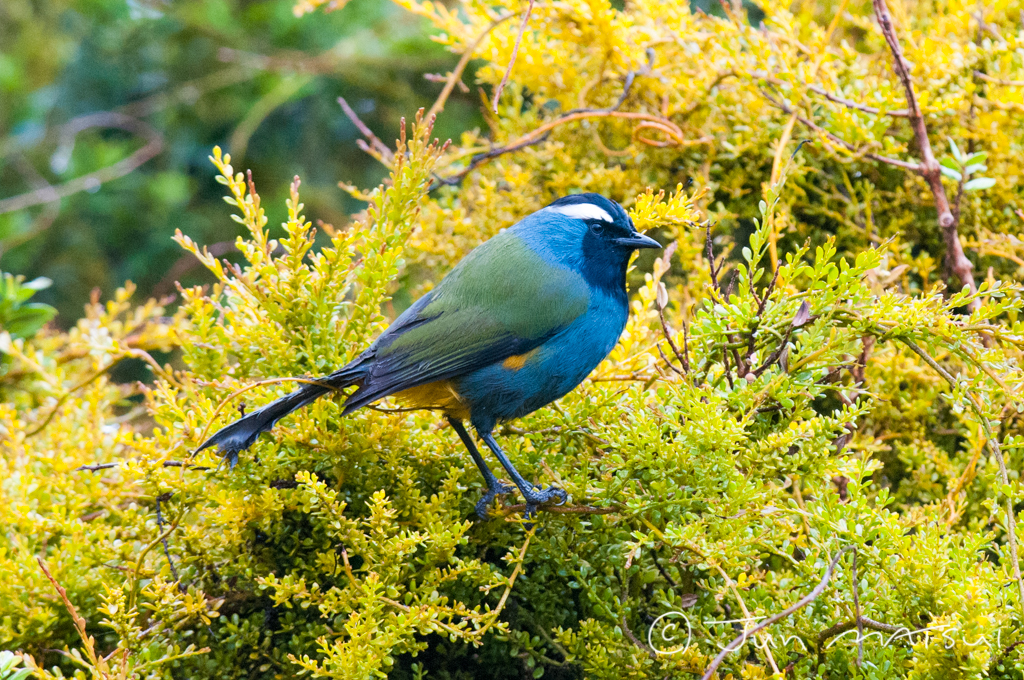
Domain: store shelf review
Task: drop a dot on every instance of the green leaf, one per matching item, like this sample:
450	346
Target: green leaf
948	162
956	150
977	167
976	157
950	173
26	321
979	183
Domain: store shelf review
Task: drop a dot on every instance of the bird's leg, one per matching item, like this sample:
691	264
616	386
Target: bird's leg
533	497
495	487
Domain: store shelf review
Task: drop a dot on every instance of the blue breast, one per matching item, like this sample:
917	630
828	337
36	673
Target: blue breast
503	392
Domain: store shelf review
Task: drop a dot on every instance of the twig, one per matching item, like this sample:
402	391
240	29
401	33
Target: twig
95	468
648	121
1006	652
97	662
709	253
188	262
105	119
860	623
480	159
456	75
787	131
856	612
167	552
998	81
379	146
668	362
785	108
64	397
129	353
507	510
772	620
849	103
284	484
627	84
134	578
929	168
661	304
166	464
47	216
633	638
512	62
494	613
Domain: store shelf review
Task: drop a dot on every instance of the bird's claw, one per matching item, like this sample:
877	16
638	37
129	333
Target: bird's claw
534	499
545	496
501	489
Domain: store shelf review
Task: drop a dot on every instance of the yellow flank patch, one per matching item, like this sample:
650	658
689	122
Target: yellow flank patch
439	395
517	361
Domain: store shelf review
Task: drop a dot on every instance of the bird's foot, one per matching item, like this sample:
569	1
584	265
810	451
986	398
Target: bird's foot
501	489
543	497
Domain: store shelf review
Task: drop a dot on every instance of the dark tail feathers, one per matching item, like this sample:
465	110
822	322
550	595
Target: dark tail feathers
239	435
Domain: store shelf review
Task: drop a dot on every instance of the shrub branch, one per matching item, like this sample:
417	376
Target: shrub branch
956	261
771	620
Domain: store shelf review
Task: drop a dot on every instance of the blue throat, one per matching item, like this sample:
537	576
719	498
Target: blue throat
604	266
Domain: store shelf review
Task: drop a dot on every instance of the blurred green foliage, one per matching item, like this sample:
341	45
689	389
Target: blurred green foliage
19	317
250	76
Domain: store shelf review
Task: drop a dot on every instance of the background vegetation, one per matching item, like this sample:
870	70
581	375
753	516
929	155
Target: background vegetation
88	85
810	431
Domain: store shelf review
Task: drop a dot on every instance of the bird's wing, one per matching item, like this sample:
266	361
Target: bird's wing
503	299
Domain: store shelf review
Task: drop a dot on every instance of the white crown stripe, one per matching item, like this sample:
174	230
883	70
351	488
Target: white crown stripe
583	211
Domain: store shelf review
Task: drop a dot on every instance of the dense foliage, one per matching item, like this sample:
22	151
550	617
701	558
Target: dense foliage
800	410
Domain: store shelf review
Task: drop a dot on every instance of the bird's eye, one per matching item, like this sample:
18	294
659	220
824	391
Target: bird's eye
597	228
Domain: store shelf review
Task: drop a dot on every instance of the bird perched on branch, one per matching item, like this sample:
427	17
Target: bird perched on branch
517	324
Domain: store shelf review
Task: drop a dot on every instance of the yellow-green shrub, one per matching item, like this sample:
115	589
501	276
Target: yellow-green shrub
841	401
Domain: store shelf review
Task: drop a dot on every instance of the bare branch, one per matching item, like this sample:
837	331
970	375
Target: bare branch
512	62
956	261
860	623
647	121
785	108
632	638
998	81
772	620
856	611
456	75
520	508
104	119
849	103
379	146
167	464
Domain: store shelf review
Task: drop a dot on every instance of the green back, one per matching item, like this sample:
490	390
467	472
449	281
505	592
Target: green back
501	300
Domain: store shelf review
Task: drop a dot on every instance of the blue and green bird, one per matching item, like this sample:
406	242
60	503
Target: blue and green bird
517	324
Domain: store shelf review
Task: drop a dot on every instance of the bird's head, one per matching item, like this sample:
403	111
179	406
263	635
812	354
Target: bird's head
589	233
608	224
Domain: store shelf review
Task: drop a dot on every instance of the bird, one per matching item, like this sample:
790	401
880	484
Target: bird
518	323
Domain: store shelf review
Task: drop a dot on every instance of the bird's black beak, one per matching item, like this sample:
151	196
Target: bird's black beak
636	241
